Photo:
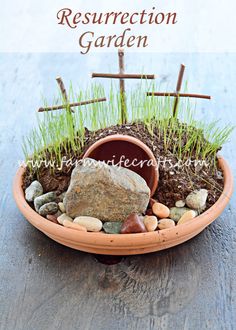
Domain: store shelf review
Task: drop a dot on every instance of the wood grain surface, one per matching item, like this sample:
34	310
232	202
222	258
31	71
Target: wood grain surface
44	285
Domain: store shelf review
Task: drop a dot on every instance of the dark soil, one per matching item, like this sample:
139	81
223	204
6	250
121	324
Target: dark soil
174	183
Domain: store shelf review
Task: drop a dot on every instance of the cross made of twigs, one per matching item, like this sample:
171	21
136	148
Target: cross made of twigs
122	76
177	93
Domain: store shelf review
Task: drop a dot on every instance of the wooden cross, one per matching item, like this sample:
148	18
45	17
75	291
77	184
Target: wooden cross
177	93
68	105
121	76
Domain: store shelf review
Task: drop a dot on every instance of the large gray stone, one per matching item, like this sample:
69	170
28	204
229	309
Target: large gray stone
109	193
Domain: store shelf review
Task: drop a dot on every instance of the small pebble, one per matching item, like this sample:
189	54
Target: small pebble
112	227
166	223
197	199
177	212
33	191
69	224
180	203
48	208
43	199
64	217
62	207
187	216
160	210
133	224
52	218
150	222
90	223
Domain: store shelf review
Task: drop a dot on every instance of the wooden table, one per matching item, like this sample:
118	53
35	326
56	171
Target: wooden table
44	285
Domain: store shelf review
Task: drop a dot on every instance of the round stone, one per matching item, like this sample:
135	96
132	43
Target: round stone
150	222
180	203
90	223
196	200
166	223
160	210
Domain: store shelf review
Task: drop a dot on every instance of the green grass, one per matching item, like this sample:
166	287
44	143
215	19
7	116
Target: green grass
60	130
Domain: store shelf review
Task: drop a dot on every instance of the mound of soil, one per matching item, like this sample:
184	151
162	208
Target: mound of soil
175	182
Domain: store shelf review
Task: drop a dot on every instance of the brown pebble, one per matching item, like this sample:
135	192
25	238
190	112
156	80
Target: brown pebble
133	224
189	215
69	224
160	210
165	223
52	218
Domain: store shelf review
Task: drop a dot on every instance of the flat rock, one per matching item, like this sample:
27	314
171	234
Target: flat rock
33	191
48	208
43	199
196	200
109	193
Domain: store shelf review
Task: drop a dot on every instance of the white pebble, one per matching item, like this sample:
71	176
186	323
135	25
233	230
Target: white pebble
62	207
64	217
180	203
90	223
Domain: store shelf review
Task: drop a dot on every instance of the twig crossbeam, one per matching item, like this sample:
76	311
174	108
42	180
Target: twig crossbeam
121	76
198	96
66	104
177	94
76	104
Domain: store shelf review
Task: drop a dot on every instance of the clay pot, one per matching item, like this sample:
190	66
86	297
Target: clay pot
125	244
118	148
